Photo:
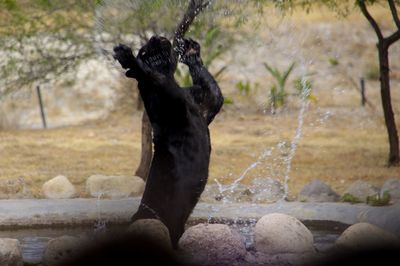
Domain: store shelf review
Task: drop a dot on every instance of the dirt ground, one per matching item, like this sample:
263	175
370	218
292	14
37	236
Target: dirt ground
340	142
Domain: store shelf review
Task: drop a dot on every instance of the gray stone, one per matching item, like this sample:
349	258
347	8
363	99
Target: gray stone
114	187
361	190
392	186
10	252
280	233
362	236
317	191
153	229
211	244
61	250
59	187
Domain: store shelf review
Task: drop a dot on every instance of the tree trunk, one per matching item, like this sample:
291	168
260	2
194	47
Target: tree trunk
394	156
147	148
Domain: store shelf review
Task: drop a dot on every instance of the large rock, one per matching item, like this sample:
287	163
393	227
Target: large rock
360	190
62	249
317	191
365	236
10	252
114	186
212	244
153	229
280	233
59	187
392	186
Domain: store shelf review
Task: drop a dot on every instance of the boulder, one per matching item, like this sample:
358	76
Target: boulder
280	233
10	252
361	190
392	186
61	249
317	191
153	229
59	187
361	236
211	244
114	186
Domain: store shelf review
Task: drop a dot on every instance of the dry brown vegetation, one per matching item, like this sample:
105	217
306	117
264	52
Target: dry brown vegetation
341	141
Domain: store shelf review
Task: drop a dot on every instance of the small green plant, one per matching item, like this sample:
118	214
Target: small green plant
372	72
227	100
333	61
245	87
377	200
278	90
347	197
303	87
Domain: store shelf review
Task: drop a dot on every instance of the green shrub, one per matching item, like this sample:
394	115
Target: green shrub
347	197
377	200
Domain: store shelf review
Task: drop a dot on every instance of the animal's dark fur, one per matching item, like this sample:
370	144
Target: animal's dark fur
180	119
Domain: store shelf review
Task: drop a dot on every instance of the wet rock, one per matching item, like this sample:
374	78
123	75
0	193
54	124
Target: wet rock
392	186
114	186
153	229
62	249
59	187
365	236
211	244
361	190
266	190
280	233
14	189
10	252
317	191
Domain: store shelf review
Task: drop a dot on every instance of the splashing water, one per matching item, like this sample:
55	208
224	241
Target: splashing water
100	224
306	90
231	187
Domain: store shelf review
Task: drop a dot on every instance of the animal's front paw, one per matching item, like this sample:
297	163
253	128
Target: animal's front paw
123	54
189	51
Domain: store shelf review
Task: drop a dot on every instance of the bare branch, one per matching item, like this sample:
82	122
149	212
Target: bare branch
194	8
371	20
393	9
393	38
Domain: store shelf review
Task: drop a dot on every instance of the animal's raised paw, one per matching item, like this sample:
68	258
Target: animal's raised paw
123	54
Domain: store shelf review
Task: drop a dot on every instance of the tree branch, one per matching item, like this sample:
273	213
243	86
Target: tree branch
393	38
395	16
371	20
194	8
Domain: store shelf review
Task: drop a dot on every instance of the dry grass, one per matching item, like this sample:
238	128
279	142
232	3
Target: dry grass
338	151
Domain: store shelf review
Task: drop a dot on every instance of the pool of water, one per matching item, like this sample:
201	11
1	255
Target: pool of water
34	241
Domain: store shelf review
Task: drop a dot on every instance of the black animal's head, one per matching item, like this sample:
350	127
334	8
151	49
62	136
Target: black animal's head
158	54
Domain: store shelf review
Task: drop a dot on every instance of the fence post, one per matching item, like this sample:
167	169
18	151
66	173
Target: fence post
363	98
41	107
